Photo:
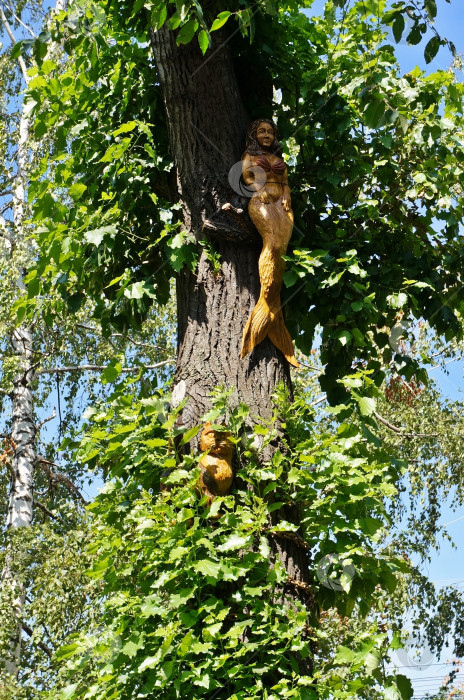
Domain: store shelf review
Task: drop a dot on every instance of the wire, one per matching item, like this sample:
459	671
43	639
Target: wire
452	521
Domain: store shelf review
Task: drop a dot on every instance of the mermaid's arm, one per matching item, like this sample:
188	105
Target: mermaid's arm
286	199
248	173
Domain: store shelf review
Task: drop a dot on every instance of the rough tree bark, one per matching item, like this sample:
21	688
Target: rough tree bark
207	123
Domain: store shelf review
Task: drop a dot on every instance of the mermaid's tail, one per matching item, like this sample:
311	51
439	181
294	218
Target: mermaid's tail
264	322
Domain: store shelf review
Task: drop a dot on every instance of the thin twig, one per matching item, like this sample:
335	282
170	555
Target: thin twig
59	477
6	24
20	21
319	400
45	510
400	431
100	368
41	645
319	370
46	420
86	327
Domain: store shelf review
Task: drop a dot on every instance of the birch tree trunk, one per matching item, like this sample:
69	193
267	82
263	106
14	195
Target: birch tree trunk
23	430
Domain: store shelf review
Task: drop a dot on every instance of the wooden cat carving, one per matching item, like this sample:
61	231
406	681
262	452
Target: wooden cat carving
216	466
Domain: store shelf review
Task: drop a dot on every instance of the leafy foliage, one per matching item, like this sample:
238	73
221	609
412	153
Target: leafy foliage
375	158
195	597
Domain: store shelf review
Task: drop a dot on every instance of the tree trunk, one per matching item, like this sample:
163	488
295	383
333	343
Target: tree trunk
23	433
207	123
23	430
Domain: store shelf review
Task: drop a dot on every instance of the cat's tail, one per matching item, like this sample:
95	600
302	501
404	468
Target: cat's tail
265	322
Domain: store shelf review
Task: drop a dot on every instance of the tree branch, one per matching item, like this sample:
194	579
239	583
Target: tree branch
400	431
41	645
138	343
6	24
60	478
100	368
5	208
46	420
45	510
28	29
319	400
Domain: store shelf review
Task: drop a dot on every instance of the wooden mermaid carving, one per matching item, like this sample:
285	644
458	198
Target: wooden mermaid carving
270	210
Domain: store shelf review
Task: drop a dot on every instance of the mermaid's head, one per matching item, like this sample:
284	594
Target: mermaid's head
258	138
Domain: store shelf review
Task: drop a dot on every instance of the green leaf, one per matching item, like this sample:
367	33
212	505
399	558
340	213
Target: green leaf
33	287
372	661
397	301
186	32
149	662
404	686
398	27
77	190
186	437
178	600
131	647
431	7
97	235
207	567
112	372
366	405
374	113
66	651
220	21
159	16
138	290
344	655
16	50
233	542
98	569
344	337
204	40
20	313
29	105
204	681
115	151
414	37
431	49
124	128
69	692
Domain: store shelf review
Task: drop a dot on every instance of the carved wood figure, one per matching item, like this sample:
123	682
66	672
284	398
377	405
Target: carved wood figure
216	467
271	212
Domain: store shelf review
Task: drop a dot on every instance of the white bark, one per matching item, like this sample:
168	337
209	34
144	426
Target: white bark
23	434
21	485
23	429
8	30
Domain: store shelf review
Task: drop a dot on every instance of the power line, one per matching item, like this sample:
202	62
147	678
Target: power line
452	521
